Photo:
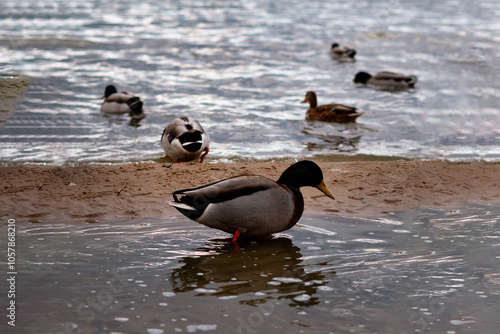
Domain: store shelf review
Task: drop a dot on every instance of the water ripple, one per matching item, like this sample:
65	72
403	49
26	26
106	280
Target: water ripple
243	68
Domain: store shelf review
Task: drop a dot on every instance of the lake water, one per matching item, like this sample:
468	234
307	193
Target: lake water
425	271
242	68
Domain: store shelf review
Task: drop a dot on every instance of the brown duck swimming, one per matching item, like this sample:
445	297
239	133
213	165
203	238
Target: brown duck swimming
330	112
251	205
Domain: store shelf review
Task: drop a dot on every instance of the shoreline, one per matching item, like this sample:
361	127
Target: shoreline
362	188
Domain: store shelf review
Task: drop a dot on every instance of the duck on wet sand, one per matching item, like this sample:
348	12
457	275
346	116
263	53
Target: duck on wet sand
184	139
330	112
251	205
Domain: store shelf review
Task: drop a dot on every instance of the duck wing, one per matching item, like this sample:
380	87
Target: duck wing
336	108
340	51
397	77
174	129
192	202
181	125
120	97
386	75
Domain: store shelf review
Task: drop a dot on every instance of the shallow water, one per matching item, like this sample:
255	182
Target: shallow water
242	68
428	271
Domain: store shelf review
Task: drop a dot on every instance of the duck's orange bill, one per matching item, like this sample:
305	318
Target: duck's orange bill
324	189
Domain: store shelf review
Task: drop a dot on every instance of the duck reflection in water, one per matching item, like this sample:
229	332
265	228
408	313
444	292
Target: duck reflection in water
335	144
343	140
133	120
271	268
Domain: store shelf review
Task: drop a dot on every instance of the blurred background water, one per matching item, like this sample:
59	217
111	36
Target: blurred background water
242	68
420	271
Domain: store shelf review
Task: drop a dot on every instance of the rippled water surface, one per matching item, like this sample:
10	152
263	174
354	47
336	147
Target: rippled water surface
241	68
413	272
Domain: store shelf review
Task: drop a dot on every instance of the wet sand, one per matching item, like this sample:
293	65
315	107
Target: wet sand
362	189
12	86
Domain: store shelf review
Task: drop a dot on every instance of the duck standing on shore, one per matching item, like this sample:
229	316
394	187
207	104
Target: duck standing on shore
184	139
330	112
251	205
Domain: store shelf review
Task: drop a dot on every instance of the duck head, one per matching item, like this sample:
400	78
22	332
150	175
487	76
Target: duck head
311	98
304	173
362	77
109	90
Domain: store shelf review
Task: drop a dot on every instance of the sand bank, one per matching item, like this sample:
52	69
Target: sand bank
12	86
363	189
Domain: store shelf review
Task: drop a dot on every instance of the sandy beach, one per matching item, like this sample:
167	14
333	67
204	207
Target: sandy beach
362	189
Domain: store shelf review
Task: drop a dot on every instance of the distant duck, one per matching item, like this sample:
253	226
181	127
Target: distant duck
341	53
251	205
120	103
329	113
185	140
386	80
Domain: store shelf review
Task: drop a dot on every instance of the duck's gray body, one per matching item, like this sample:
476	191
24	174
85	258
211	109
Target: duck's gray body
387	80
120	103
184	139
341	53
252	205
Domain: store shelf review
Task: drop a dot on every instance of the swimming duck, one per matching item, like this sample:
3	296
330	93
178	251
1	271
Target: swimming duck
185	140
120	103
341	53
330	112
388	80
251	205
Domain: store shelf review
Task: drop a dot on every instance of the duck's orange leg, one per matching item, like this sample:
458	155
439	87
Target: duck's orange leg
236	236
203	155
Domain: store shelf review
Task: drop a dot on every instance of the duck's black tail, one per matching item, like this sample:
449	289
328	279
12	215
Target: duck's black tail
135	105
411	80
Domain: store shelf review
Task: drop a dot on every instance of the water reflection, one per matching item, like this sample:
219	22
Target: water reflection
344	138
134	121
335	143
264	267
427	271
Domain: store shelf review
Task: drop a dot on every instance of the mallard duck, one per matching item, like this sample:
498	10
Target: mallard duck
185	140
120	103
388	80
341	53
251	205
329	112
